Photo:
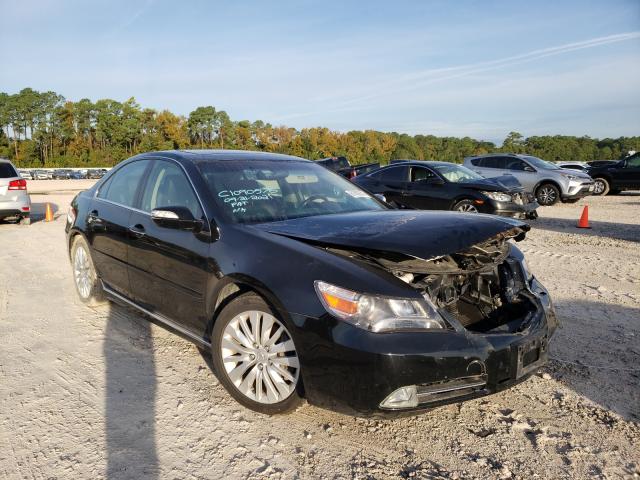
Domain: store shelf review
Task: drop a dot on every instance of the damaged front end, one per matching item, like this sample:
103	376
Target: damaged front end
484	288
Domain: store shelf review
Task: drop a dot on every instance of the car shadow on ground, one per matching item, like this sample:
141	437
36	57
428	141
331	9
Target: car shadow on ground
595	353
130	396
618	231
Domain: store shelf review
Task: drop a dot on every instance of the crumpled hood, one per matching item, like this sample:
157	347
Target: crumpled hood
504	183
419	234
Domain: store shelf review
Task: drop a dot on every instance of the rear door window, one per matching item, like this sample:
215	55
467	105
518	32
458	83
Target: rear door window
515	164
7	171
394	174
122	187
494	162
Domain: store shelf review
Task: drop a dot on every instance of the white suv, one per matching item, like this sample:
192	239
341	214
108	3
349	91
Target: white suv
14	199
546	180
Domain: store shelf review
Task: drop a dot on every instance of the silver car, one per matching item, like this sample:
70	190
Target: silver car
14	199
547	181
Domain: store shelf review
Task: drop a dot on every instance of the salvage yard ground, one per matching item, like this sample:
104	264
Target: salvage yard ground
92	393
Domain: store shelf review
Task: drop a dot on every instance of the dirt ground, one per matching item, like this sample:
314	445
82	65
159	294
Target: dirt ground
95	393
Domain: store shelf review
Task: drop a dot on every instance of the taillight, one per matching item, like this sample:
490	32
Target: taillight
17	184
71	215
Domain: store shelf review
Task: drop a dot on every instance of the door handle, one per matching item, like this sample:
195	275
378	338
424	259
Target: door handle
137	231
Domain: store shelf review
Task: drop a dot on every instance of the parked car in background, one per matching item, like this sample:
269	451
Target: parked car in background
14	199
300	283
612	178
41	175
599	163
62	174
448	186
547	181
580	166
96	173
77	174
342	166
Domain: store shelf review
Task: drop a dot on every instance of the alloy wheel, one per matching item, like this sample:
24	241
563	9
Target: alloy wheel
546	195
467	208
259	357
82	272
598	187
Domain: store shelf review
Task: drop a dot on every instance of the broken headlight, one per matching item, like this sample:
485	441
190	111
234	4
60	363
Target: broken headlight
498	196
378	314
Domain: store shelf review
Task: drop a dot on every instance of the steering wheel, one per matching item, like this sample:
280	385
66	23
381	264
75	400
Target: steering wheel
314	198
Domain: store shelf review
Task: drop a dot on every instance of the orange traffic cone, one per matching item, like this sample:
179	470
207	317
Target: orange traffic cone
584	218
48	215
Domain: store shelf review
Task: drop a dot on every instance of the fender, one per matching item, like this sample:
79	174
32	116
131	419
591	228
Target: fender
552	182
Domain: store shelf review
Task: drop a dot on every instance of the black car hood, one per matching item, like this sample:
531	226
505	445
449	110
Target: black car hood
505	183
415	233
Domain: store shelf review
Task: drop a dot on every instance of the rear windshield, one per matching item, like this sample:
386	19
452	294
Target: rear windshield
7	171
253	191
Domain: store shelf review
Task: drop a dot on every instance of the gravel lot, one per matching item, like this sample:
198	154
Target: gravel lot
92	393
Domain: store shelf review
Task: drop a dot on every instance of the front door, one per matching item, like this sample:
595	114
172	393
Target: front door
168	267
426	190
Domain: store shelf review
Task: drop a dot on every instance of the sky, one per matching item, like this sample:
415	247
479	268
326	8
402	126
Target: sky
463	68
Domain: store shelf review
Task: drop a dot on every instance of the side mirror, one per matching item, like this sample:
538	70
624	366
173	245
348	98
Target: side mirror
179	218
380	197
529	169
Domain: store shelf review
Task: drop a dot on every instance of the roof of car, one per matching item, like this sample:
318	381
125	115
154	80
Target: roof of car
399	163
498	154
205	155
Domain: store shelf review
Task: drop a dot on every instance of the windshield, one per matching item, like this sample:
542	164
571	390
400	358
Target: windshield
254	191
457	173
537	162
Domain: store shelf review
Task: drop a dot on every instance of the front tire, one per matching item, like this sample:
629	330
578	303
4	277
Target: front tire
547	194
254	356
601	186
85	277
465	206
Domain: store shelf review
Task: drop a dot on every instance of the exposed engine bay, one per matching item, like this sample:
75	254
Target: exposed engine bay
482	287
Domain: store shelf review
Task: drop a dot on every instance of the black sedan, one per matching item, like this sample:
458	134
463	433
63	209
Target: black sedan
302	285
448	186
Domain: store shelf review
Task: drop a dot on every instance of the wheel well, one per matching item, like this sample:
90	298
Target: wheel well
459	199
544	182
232	289
602	176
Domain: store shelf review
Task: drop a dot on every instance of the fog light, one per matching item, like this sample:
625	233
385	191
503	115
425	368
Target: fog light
404	397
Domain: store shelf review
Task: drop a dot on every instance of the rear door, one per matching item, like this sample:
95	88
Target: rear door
426	190
108	222
168	267
392	182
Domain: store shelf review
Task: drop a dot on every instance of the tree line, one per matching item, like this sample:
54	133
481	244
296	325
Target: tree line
43	129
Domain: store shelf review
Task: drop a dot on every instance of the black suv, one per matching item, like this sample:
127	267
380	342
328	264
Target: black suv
616	176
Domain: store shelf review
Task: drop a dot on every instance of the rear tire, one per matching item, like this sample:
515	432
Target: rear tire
262	373
601	186
85	277
547	194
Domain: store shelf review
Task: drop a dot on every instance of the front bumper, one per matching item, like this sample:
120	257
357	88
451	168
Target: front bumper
352	371
523	209
578	190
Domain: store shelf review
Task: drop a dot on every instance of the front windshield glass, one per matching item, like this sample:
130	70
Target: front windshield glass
456	173
255	191
537	162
